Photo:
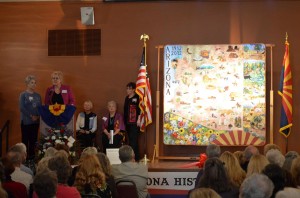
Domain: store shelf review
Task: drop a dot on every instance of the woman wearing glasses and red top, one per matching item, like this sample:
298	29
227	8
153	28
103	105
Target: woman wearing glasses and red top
59	93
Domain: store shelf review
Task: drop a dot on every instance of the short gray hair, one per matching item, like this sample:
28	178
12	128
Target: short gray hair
126	153
29	78
274	156
256	186
213	150
249	151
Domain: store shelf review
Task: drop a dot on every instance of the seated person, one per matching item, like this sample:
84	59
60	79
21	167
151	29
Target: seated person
86	125
113	122
130	170
45	184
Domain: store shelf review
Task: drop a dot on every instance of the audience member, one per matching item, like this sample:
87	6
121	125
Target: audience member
216	178
248	153
43	164
212	150
18	175
21	148
270	146
45	184
86	125
203	193
14	189
59	93
256	164
256	186
240	156
277	175
61	165
90	179
289	157
130	170
112	123
87	151
274	156
131	115
235	173
288	193
3	193
50	152
29	102
295	170
107	170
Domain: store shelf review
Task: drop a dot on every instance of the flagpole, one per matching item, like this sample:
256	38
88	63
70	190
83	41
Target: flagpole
271	99
287	138
145	37
156	145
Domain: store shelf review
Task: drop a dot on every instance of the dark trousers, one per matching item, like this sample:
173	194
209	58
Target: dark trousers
133	135
86	140
116	144
29	138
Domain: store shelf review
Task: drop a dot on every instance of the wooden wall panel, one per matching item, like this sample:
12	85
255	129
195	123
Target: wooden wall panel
23	50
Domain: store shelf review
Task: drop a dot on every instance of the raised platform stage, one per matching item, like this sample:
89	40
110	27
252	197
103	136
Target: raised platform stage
167	178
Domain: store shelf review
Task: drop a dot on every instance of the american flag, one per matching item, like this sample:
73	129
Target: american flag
285	91
144	91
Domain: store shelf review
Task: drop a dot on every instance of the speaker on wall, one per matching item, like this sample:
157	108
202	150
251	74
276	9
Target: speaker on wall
87	15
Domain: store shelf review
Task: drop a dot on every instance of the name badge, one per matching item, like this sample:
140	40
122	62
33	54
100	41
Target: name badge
30	98
104	118
64	91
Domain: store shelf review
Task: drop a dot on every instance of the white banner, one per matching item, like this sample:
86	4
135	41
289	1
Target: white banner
172	180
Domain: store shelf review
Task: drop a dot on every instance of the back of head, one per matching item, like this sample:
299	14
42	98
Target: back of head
249	151
256	164
126	153
105	164
213	150
268	147
274	156
295	170
61	165
9	168
89	176
277	175
89	151
215	176
204	193
50	152
45	183
288	193
21	148
15	157
289	157
256	186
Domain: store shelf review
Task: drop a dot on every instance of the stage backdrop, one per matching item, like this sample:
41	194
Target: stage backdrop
214	94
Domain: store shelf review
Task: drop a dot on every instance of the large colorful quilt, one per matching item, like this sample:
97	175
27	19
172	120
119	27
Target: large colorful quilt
215	94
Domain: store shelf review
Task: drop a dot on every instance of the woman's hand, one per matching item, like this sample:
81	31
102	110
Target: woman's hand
35	118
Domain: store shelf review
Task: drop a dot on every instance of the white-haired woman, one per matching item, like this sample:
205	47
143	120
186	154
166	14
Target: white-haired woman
112	127
29	102
86	125
59	93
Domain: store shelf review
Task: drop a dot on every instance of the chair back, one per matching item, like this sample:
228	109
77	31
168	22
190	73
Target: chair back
127	189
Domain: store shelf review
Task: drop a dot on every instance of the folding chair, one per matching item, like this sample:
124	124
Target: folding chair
127	189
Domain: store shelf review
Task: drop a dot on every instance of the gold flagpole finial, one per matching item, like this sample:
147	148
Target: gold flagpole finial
145	37
286	37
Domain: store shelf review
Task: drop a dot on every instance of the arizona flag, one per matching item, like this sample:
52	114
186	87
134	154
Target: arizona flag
144	91
285	91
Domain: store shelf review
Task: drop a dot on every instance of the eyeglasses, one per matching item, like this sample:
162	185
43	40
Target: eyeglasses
55	78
